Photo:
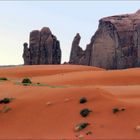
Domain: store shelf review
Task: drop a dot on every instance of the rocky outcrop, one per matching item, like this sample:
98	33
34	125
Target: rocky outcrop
44	48
115	45
78	55
76	52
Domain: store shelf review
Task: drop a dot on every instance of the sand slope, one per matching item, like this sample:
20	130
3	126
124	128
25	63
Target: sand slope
51	110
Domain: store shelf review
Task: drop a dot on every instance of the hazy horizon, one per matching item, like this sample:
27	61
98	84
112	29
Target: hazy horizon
64	18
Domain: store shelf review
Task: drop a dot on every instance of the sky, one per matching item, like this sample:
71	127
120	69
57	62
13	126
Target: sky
64	18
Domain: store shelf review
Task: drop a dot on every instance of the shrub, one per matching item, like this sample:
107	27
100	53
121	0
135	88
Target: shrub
26	81
85	112
25	84
123	109
81	126
3	78
5	109
5	101
83	100
115	110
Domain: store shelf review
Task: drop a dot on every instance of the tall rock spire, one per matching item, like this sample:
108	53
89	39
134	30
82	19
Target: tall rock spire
44	48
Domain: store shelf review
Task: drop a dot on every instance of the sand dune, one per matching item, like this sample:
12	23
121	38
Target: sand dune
51	110
93	77
42	70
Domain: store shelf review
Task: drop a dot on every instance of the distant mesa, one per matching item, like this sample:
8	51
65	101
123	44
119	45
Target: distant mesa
115	45
44	48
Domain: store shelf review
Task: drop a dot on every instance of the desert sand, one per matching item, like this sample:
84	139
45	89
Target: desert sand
51	110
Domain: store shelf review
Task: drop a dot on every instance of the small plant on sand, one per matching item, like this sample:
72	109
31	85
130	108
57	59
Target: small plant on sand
3	79
81	126
5	109
123	109
83	100
85	112
5	101
115	110
26	81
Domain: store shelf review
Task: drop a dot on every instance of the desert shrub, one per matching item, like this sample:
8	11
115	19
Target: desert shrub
5	101
26	81
81	126
85	112
115	110
123	109
5	109
26	84
3	78
83	100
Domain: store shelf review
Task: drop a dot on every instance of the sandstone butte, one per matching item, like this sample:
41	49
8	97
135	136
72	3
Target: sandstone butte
115	45
44	48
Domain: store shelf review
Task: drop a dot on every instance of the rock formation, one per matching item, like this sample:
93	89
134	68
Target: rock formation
115	45
79	56
44	48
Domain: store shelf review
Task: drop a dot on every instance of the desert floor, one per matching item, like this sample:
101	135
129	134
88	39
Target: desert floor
51	108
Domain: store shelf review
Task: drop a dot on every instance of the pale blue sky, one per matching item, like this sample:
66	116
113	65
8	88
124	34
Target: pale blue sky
65	19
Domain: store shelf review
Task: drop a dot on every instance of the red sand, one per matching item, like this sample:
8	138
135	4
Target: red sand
32	118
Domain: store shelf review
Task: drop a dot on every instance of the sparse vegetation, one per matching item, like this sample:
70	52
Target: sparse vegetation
123	109
85	112
115	110
40	84
83	100
5	101
3	79
5	109
81	126
26	81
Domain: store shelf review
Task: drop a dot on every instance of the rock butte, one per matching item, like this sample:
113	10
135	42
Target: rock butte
115	45
44	48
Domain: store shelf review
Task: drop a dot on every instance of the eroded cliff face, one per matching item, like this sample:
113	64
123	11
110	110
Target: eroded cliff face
44	48
103	49
116	43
